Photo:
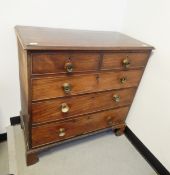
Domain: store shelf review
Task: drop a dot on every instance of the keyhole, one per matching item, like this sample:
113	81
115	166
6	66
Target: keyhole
97	77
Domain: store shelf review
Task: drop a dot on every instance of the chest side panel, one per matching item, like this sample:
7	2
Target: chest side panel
24	67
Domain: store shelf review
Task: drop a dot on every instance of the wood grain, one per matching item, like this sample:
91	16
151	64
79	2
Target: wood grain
81	84
114	60
24	92
95	60
43	38
43	63
50	110
49	133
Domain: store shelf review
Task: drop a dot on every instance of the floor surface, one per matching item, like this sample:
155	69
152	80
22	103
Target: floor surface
100	154
4	168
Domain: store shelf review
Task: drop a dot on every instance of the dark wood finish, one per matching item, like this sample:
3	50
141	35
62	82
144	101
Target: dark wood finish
43	38
79	105
96	82
24	66
62	142
78	126
31	158
100	72
120	130
114	60
55	62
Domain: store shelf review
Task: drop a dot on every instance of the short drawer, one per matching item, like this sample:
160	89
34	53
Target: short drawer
124	60
64	62
69	107
49	133
80	84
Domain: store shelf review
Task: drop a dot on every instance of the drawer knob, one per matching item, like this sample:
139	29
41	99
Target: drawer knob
116	98
67	88
62	132
64	108
109	121
69	67
123	80
126	62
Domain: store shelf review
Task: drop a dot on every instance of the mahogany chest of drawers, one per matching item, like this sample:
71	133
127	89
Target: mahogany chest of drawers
75	83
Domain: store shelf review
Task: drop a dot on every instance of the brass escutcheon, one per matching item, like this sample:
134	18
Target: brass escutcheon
67	88
69	67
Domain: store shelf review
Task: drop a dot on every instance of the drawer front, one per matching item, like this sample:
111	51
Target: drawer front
54	132
63	108
72	85
124	60
63	62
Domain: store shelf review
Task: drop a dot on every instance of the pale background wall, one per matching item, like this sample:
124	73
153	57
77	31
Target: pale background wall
149	117
79	14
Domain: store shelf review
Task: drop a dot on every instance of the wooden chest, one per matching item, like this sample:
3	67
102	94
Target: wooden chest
75	83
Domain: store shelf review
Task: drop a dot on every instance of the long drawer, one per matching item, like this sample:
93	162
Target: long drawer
46	88
58	131
62	108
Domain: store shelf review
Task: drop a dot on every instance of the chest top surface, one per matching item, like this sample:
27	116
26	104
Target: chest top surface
43	38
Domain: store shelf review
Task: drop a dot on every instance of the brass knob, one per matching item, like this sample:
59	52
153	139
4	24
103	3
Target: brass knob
62	132
67	88
126	62
123	80
109	121
69	67
116	98
64	108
